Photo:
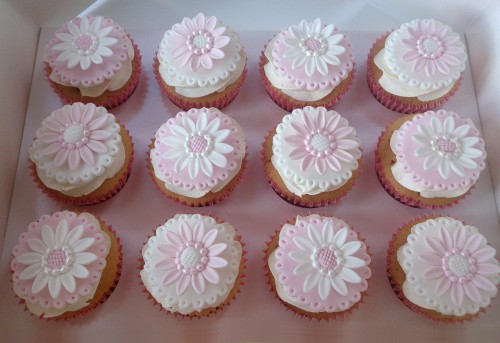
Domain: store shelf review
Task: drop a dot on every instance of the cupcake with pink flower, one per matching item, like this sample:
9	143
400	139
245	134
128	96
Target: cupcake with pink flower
92	60
416	67
312	158
81	155
193	265
200	63
443	269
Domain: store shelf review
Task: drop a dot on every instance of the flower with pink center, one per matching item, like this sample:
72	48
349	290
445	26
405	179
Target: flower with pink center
461	264
433	47
321	141
190	257
198	41
75	134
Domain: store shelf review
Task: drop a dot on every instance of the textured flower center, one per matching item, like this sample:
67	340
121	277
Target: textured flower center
84	42
190	257
198	144
327	259
459	265
446	147
430	46
313	45
73	134
320	142
56	259
200	42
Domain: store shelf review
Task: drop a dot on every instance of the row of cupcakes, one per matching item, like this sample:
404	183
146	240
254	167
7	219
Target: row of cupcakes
201	62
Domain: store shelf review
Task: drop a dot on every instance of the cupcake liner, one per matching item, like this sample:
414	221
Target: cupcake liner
218	99
208	199
114	184
306	201
109	99
397	103
397	276
288	103
271	246
208	311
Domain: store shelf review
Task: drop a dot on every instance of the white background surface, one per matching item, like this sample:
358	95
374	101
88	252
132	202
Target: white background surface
253	209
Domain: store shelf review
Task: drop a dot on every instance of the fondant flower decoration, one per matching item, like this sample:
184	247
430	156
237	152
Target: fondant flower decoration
197	146
321	141
57	258
191	257
85	43
432	47
197	42
326	261
74	134
460	265
446	146
313	46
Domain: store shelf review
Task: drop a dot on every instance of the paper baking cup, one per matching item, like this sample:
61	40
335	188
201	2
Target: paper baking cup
393	102
218	99
288	103
108	99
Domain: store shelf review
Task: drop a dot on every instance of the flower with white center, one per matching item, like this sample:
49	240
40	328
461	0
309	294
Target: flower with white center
321	141
197	42
197	146
75	134
433	47
313	46
57	258
447	147
85	43
326	260
460	264
191	257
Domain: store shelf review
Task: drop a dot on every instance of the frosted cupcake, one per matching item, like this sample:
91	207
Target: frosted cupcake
310	64
443	269
200	63
312	158
66	265
318	267
81	155
92	60
193	265
198	157
430	160
416	67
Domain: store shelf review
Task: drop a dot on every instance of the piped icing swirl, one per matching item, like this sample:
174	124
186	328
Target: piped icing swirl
438	154
77	148
198	151
200	56
449	267
58	262
191	263
93	54
315	150
320	264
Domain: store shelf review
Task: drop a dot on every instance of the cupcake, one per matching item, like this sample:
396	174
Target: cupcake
198	157
312	158
318	267
429	160
443	269
193	265
92	60
200	63
416	67
66	265
81	155
310	64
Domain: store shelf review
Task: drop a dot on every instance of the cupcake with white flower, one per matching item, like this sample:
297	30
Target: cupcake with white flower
198	157
66	264
430	160
92	60
318	266
309	64
81	155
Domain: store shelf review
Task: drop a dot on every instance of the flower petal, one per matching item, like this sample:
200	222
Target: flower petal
303	269
445	238
473	243
54	286
48	236
213	126
327	234
51	149
300	129
487	269
219	136
61	232
97	123
311	281
298	153
185	232
216	249
74	159
173	239
83	244
218	159
299	256
444	168
484	254
342	155
182	284
167	263
171	276
484	283
217	262
433	273
353	262
324	287
320	165
206	61
349	275
457	294
198	282
430	257
346	144
307	162
37	245
206	166
333	162
350	247
74	235
340	237
68	281
79	271
210	237
31	272
295	141
96	146
104	51
29	258
303	243
39	283
211	275
442	286
85	258
339	285
435	245
472	292
87	155
314	235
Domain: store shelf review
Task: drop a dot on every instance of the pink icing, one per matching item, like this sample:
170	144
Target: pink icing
454	156
199	153
101	65
296	276
31	244
283	60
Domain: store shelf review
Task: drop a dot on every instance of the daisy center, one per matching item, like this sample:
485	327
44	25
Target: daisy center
327	259
430	46
313	46
84	42
446	147
190	257
73	134
200	42
198	144
319	144
56	259
459	265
